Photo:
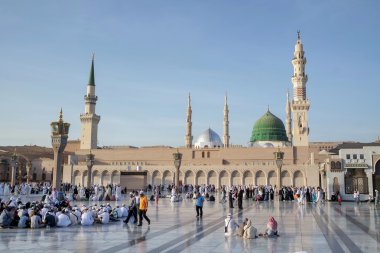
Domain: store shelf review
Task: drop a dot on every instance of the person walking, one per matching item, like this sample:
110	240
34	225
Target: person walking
199	205
339	198
132	210
230	199
157	195
240	198
143	209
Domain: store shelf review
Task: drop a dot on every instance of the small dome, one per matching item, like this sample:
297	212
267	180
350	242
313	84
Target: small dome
208	138
268	128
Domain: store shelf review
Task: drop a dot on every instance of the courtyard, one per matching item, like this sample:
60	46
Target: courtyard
174	228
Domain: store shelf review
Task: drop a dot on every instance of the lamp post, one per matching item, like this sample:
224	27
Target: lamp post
279	158
90	159
14	161
59	136
177	164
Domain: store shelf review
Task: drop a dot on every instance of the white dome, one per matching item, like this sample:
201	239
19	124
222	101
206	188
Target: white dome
208	139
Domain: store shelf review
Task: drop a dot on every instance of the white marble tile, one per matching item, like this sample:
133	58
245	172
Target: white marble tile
175	228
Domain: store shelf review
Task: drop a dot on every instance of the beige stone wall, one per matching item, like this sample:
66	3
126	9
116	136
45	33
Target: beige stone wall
223	166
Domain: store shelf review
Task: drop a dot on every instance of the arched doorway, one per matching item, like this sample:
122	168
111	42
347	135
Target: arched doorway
376	177
106	178
201	178
260	178
247	178
298	179
167	178
212	178
285	178
189	177
96	177
223	176
156	178
272	178
236	179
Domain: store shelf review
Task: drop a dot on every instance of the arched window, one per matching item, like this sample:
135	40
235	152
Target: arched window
43	176
332	165
203	154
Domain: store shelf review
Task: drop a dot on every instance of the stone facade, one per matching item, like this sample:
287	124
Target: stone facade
218	166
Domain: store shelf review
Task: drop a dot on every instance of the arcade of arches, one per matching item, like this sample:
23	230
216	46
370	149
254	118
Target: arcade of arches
213	177
224	177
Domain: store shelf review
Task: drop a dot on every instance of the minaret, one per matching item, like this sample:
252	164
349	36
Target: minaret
89	120
226	137
188	137
288	118
300	103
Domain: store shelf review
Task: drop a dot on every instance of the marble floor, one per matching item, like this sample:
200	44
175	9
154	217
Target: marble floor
174	228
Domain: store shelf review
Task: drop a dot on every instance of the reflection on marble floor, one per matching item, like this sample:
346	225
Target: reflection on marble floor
174	228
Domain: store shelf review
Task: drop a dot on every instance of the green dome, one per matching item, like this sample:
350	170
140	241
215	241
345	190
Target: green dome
269	128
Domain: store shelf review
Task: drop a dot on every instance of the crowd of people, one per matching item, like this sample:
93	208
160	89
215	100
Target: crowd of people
23	189
52	211
55	210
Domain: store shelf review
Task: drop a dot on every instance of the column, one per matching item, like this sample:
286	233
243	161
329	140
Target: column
278	184
370	181
57	171
13	175
28	170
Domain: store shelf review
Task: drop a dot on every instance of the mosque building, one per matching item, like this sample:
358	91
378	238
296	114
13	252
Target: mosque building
211	159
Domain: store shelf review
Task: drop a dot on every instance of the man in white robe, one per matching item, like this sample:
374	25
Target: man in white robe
64	219
87	218
124	211
104	216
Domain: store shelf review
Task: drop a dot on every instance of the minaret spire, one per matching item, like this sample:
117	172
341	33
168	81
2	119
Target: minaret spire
226	136
91	80
188	136
90	120
300	103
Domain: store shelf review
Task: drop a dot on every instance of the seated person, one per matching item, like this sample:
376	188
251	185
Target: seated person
229	225
50	219
87	218
118	211
124	210
6	217
24	221
240	230
73	217
271	228
36	220
104	216
250	232
212	198
64	219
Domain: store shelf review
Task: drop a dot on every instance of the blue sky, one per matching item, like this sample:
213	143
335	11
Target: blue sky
151	54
